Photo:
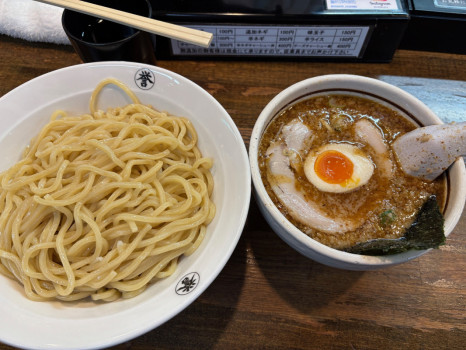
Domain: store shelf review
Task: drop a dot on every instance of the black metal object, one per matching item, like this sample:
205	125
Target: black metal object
436	25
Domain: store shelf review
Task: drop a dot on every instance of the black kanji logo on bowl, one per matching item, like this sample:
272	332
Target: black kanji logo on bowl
144	78
187	283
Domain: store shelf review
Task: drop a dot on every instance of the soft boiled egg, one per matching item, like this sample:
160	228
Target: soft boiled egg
338	168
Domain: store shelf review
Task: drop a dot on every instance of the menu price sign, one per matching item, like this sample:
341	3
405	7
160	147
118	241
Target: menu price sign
453	4
362	5
286	41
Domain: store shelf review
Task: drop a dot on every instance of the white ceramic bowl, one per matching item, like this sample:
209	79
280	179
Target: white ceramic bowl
372	88
86	325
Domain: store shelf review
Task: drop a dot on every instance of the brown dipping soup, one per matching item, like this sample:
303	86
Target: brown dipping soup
383	207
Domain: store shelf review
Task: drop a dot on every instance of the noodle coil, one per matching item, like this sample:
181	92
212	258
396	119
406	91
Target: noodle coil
103	204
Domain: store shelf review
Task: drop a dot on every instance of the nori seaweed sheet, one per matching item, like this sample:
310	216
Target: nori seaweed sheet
426	232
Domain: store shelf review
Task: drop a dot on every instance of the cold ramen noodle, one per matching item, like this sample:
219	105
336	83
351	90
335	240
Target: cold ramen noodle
103	204
327	163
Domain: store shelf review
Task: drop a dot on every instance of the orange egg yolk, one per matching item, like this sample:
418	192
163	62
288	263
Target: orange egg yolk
333	167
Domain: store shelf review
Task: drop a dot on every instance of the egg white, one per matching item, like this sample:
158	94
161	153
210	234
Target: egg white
363	168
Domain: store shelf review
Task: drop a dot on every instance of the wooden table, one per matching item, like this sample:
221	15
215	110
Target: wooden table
268	296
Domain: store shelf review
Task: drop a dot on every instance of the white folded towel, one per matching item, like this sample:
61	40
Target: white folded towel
32	21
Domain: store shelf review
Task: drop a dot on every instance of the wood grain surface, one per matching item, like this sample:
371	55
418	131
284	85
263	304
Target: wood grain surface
268	296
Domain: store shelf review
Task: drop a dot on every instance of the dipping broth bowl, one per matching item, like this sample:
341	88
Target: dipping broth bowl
372	89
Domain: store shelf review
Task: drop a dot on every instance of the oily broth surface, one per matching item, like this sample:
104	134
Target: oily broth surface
330	118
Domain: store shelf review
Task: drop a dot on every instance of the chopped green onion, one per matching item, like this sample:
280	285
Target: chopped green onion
387	218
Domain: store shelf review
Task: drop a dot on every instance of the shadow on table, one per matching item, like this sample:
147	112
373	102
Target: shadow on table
202	323
301	282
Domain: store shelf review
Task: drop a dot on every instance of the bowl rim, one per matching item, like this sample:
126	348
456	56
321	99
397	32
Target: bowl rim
296	238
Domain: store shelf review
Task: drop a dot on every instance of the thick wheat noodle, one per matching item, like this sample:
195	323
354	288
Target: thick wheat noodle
103	204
